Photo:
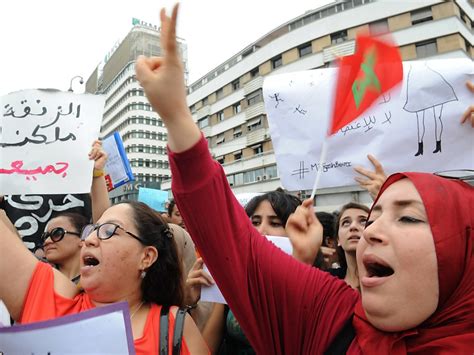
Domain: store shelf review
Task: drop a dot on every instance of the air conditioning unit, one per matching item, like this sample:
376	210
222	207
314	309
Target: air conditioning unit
264	177
259	178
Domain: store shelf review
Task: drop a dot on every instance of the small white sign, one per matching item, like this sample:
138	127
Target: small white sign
213	294
102	330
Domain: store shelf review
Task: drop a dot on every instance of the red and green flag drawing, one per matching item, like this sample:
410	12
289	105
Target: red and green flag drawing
363	77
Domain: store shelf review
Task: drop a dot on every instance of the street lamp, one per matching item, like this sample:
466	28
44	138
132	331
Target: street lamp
81	81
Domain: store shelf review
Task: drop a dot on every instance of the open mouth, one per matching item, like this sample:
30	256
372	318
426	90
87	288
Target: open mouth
376	269
354	237
90	261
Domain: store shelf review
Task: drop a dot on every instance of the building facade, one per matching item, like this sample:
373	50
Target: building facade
128	111
227	103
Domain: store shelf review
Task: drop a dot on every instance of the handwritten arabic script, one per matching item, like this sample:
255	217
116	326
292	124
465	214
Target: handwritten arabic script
44	119
17	168
45	138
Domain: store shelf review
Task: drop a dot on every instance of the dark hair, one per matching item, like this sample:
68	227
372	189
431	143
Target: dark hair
77	220
347	206
327	220
170	207
282	203
163	283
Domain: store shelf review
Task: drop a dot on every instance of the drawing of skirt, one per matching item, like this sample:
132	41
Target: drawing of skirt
426	88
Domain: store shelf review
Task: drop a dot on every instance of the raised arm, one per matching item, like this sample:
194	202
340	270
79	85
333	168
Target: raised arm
99	194
16	267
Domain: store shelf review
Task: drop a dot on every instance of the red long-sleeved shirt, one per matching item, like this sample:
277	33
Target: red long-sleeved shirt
283	306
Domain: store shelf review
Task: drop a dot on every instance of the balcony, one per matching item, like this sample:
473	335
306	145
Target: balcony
203	112
255	110
338	50
253	85
257	136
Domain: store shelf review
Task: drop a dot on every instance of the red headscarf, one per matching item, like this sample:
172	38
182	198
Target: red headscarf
449	205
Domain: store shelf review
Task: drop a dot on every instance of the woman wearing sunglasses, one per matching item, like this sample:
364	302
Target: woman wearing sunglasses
62	243
129	255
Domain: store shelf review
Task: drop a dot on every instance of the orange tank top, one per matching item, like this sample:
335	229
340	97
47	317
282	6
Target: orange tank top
43	303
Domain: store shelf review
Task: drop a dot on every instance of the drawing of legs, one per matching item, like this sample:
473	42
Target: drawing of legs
437	112
420	124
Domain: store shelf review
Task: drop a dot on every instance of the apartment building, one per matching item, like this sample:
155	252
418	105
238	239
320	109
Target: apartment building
128	111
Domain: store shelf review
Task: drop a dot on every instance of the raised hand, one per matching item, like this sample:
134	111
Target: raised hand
375	179
305	232
468	116
99	155
197	278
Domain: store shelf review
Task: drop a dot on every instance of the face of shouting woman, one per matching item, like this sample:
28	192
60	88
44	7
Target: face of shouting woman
397	261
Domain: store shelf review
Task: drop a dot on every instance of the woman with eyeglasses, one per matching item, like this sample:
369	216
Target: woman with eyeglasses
129	255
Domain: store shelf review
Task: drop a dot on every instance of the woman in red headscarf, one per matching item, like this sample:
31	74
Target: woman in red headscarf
415	259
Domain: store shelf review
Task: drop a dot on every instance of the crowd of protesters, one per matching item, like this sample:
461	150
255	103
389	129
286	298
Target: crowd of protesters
394	278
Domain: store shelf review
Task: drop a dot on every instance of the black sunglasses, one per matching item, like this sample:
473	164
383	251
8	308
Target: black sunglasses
56	234
105	231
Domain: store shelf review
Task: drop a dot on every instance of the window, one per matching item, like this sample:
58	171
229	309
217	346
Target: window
421	15
339	37
254	124
236	85
220	93
203	122
254	72
257	149
277	62
426	49
220	139
237	108
239	179
305	49
271	171
378	27
220	116
249	176
254	97
204	101
220	160
238	155
237	132
193	108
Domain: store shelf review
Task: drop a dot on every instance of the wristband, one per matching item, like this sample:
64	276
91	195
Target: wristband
98	173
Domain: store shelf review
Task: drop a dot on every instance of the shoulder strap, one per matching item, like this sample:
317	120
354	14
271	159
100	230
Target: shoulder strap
178	330
342	341
163	343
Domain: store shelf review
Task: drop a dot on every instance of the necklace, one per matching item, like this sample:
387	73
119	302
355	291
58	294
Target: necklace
136	309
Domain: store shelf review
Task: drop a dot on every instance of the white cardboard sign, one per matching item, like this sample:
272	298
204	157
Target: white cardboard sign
45	138
426	106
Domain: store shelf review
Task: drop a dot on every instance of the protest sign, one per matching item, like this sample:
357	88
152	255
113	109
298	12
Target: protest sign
30	213
102	330
245	197
154	198
45	138
426	107
117	167
213	294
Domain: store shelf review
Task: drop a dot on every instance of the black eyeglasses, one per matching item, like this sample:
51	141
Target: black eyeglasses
56	234
105	231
